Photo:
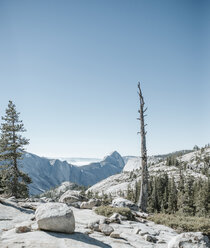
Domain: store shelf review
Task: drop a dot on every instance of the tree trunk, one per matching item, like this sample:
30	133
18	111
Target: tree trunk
144	172
15	167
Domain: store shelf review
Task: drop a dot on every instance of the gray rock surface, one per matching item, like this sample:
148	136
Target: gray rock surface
56	217
23	227
106	229
121	202
90	204
71	196
150	238
189	240
94	225
125	235
116	218
115	235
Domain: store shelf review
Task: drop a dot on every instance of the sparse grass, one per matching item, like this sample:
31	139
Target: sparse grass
183	223
108	211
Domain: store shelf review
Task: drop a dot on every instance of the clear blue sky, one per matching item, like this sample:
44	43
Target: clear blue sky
72	67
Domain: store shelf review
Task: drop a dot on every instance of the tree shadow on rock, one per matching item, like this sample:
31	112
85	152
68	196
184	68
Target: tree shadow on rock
78	236
21	209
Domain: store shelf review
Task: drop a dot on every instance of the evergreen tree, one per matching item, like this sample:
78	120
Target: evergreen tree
11	150
137	190
163	195
172	161
188	207
180	195
130	193
164	202
153	197
195	148
172	196
189	197
162	184
202	198
1	182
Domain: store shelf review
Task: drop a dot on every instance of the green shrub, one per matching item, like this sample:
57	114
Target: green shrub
108	211
183	223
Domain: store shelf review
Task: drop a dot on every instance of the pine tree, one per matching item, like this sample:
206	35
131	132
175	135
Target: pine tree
130	193
1	182
164	202
11	150
188	207
153	196
172	196
202	198
162	182
180	195
164	198
137	189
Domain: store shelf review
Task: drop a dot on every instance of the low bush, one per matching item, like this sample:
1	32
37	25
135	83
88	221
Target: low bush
183	223
108	211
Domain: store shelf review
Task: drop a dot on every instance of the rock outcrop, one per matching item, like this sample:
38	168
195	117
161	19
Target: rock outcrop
106	229
56	217
18	228
90	204
121	202
189	240
71	196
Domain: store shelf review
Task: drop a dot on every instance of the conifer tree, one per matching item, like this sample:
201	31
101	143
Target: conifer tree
188	207
172	196
162	182
137	189
1	182
180	194
164	201
201	198
11	150
164	198
153	196
129	193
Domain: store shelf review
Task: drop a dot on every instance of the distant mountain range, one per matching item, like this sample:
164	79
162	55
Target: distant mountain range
78	161
47	173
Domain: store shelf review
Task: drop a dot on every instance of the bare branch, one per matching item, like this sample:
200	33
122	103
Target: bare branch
145	110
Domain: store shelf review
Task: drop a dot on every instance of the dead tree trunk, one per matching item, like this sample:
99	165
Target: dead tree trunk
142	203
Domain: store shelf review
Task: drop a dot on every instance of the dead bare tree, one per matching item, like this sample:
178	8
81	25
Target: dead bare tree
142	203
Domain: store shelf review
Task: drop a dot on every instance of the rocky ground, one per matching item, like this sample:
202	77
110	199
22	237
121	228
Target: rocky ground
20	227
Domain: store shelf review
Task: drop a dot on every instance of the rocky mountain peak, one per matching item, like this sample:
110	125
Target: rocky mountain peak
115	158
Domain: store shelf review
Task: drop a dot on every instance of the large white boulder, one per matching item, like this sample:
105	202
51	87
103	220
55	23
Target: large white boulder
189	240
121	202
56	217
